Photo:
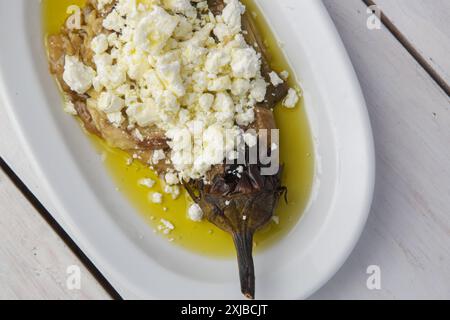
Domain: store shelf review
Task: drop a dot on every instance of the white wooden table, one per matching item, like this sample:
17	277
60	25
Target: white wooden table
404	71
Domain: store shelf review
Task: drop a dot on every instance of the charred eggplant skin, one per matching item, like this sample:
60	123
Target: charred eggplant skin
240	205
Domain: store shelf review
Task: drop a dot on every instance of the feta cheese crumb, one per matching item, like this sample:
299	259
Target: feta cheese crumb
77	75
146	182
284	75
206	101
172	178
158	155
259	90
109	102
232	13
195	213
166	226
245	63
157	197
174	191
275	79
291	99
114	22
115	118
155	29
100	44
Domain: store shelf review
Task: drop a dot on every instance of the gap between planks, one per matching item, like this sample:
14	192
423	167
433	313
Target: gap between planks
59	230
411	49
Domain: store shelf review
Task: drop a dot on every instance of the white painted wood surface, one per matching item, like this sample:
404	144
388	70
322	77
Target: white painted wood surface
408	232
426	24
33	259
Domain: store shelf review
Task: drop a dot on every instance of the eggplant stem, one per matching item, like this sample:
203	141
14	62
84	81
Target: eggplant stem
244	246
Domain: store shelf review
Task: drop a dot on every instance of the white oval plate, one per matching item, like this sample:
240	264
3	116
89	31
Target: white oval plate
108	230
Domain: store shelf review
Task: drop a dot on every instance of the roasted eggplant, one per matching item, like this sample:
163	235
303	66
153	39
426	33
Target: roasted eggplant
243	203
237	198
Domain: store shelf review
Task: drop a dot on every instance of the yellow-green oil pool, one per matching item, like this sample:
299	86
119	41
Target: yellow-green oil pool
296	152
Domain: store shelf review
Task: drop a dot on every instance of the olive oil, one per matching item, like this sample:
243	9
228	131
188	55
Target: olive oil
296	152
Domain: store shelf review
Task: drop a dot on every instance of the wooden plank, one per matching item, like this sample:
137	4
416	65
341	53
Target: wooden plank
426	25
33	259
408	232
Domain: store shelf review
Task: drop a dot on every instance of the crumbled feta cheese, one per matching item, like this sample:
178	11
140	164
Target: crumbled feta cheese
275	79
115	118
258	90
284	75
217	59
181	6
157	156
171	178
195	213
100	44
184	29
170	74
154	30
219	84
157	197
143	114
114	21
240	87
245	63
146	182
162	66
77	75
246	118
109	103
166	226
206	101
231	15
174	191
222	32
291	99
